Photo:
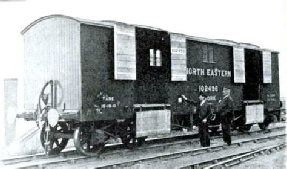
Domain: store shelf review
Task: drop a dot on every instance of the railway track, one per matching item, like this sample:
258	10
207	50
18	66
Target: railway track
230	161
153	160
152	146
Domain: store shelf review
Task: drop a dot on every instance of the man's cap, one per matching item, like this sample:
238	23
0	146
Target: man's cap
226	88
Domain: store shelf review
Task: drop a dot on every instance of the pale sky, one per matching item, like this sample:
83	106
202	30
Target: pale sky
260	22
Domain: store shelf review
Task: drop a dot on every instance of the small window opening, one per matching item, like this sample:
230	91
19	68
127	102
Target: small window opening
207	53
152	57
155	57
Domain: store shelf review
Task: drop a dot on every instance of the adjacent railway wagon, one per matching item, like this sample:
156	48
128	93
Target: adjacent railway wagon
96	80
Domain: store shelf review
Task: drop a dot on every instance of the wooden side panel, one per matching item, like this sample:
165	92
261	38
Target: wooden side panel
270	91
267	73
125	52
178	57
238	65
154	122
253	75
52	52
104	98
209	78
152	79
254	113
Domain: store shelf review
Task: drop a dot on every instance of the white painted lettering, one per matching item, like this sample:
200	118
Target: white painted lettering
208	72
198	71
229	74
211	98
194	71
202	72
215	72
212	73
207	88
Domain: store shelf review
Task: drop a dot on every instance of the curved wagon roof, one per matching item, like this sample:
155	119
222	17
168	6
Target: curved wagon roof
110	24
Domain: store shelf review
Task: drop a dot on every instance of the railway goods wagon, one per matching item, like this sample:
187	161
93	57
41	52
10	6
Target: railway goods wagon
95	80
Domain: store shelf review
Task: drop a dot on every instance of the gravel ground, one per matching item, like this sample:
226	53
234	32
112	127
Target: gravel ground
188	160
276	160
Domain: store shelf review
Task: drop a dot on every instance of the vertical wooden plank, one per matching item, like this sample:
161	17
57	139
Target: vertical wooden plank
205	53
238	65
250	114
153	122
266	59
260	113
125	52
178	57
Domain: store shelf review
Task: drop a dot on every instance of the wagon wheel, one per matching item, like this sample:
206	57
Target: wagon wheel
245	127
263	126
51	144
82	141
129	141
129	137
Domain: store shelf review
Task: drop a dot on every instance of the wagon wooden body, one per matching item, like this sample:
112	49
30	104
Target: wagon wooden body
102	73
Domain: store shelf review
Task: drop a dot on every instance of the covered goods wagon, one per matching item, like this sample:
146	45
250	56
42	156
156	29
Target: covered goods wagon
93	80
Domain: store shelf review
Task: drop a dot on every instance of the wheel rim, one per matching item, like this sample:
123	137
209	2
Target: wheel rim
247	127
129	141
129	137
83	144
54	145
263	126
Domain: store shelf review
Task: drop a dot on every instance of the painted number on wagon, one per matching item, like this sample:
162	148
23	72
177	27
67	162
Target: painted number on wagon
205	88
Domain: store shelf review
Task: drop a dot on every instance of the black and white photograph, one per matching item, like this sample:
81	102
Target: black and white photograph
143	84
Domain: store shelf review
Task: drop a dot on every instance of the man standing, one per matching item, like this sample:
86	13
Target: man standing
226	113
203	110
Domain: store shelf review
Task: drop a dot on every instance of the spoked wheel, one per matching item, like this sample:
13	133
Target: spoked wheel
263	126
129	138
51	144
82	141
129	141
247	127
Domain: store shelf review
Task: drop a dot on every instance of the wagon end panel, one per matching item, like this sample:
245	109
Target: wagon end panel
52	52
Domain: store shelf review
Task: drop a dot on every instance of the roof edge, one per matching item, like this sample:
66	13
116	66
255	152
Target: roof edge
42	19
110	24
88	22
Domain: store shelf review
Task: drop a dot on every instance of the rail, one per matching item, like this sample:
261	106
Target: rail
70	158
150	105
245	156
